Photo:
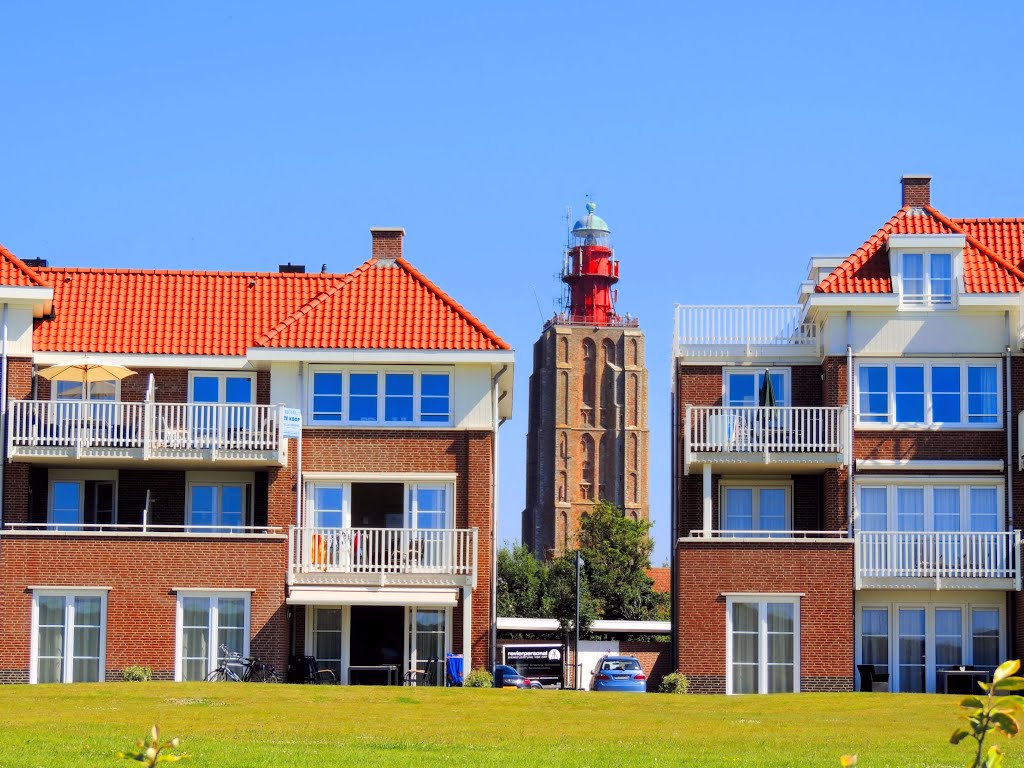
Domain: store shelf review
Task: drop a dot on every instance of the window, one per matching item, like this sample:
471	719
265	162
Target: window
927	279
68	636
985	638
929	394
219	507
327	639
207	621
218	387
393	397
81	498
743	386
428	506
329	505
755	509
427	640
874	648
762	644
950	507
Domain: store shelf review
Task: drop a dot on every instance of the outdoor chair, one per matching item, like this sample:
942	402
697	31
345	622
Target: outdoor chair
423	676
313	675
872	681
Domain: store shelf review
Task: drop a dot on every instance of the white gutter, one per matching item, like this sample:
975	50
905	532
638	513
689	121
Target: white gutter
850	409
494	522
1007	397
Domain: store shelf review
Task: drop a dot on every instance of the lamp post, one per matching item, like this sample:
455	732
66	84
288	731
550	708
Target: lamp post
576	624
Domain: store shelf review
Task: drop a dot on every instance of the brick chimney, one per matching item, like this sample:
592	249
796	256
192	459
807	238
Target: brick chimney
917	190
387	245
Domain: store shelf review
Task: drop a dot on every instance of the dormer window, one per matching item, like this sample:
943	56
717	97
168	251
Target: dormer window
927	269
928	279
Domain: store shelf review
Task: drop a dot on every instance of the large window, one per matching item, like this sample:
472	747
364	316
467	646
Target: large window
81	498
762	644
327	639
920	642
759	508
216	387
742	387
219	506
927	279
68	636
920	506
207	621
427	641
357	396
923	394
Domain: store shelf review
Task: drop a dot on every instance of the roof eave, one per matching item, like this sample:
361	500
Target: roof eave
39	297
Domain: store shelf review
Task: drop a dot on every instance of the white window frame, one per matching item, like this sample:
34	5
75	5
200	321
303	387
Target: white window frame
927	364
220	480
782	399
409	485
929	484
222	389
213	649
68	593
756	486
381	373
79	476
762	599
926	301
942	602
413	663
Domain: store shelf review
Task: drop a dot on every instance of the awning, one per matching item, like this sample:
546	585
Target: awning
371	596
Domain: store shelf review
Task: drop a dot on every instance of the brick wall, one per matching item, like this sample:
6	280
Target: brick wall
822	572
141	605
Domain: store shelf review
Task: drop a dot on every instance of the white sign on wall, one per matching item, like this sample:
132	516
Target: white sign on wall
291	422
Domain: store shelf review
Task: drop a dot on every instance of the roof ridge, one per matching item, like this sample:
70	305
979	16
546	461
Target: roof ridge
192	272
311	304
24	268
465	313
977	243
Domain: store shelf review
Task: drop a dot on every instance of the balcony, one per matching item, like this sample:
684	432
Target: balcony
937	560
98	433
752	438
440	557
739	332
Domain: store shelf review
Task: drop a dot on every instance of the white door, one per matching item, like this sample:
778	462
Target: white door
911	649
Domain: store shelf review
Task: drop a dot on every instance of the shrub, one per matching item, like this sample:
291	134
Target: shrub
675	683
137	674
478	678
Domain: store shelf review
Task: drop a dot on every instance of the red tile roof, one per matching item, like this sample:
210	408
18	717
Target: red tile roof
13	271
993	258
662	579
224	313
401	299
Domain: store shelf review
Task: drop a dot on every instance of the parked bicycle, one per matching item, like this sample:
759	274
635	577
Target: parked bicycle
253	670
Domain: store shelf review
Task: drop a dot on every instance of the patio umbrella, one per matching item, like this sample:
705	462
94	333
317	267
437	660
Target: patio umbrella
766	395
86	369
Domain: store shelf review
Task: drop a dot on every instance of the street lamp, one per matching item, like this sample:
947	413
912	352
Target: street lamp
576	624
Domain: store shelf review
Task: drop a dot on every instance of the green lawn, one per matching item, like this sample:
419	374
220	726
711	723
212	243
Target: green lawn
282	725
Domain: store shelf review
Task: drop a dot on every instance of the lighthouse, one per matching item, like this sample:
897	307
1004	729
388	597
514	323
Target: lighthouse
587	436
590	271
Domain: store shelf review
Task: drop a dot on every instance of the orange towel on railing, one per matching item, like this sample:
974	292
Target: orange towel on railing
319	553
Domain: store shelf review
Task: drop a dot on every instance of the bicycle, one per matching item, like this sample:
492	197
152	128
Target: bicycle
253	670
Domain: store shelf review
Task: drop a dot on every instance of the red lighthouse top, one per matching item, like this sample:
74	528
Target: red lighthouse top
590	271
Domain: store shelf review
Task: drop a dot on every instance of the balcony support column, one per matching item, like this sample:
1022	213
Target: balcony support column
706	488
467	629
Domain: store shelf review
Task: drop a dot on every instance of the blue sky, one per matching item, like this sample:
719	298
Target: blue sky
724	143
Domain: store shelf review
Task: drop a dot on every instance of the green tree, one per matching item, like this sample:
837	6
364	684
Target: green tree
617	550
560	595
520	583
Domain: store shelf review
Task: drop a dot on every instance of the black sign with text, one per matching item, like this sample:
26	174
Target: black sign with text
538	662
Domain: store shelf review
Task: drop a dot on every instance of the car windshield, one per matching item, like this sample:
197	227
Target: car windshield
621	665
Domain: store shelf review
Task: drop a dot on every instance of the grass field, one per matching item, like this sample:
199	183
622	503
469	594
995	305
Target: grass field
228	725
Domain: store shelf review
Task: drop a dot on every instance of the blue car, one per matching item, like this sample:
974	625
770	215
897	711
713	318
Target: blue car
512	679
620	673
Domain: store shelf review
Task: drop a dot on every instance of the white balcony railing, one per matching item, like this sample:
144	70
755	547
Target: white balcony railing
148	429
711	330
938	555
408	551
751	429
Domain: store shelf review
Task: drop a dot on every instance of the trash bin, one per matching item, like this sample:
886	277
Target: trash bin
499	678
296	669
453	669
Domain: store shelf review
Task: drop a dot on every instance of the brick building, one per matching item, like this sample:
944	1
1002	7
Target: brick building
154	519
847	470
587	437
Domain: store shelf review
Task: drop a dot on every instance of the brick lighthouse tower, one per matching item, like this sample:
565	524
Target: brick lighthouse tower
588	434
